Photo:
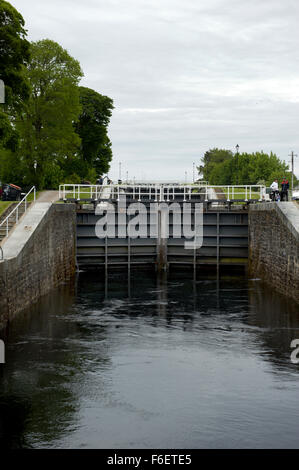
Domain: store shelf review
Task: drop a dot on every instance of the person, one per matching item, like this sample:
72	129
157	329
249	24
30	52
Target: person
285	189
274	187
100	180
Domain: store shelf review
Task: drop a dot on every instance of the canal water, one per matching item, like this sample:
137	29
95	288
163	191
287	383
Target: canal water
159	363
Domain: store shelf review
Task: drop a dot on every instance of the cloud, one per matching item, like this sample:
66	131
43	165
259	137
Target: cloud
184	76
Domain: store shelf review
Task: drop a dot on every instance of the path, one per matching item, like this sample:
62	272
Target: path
48	196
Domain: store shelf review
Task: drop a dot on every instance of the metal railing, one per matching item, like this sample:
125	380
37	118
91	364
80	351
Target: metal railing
15	212
162	192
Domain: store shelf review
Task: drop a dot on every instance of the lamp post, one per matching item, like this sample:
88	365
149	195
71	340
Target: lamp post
237	149
292	162
35	166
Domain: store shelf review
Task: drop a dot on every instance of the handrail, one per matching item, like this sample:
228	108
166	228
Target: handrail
16	209
153	191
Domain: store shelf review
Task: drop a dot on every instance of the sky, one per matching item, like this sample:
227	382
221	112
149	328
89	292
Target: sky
185	76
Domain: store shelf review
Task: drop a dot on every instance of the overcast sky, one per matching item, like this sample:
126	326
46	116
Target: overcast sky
185	76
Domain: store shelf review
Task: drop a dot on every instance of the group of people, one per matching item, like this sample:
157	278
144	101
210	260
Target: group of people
280	195
101	179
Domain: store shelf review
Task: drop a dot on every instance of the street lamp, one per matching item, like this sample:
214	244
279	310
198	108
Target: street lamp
237	148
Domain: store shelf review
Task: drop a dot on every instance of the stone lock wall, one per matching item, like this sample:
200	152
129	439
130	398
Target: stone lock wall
47	259
274	246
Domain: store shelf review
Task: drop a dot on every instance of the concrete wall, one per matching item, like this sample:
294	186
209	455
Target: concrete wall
274	246
39	255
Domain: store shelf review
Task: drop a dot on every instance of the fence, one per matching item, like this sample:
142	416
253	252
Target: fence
162	192
13	216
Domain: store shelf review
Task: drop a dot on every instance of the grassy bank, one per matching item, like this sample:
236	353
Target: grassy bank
31	196
4	205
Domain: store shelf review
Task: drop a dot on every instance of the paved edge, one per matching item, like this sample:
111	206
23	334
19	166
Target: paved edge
18	238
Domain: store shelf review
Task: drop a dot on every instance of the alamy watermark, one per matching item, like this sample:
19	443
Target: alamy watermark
2	352
2	92
136	220
295	353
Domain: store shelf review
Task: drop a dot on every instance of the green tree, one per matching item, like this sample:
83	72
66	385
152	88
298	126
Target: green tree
92	128
221	173
14	56
262	166
212	158
46	125
222	167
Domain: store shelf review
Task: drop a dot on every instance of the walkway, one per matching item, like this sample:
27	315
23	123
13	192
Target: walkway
48	196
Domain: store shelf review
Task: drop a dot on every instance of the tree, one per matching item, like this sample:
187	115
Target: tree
92	128
14	56
221	173
212	158
46	125
223	167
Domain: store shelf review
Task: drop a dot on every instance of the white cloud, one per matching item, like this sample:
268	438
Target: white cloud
184	76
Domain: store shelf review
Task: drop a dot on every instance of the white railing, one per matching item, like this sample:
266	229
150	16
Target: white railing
15	212
162	192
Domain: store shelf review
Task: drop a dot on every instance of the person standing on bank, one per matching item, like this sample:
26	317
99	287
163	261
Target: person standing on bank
274	187
100	180
285	189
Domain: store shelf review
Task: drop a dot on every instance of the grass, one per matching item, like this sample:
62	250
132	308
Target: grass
83	194
31	196
239	193
4	205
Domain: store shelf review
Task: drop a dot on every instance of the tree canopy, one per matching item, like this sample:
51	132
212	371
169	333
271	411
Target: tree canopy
92	127
14	56
46	123
51	129
221	166
212	158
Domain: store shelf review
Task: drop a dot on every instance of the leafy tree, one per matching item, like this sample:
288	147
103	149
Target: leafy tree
92	127
221	173
212	158
261	166
223	167
14	55
46	125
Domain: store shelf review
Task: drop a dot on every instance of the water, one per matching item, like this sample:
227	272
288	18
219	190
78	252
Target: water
157	364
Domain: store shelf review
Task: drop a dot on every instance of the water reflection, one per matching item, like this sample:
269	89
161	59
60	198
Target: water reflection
277	320
121	363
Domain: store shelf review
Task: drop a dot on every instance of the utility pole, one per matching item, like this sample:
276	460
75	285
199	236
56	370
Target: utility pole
193	172
185	177
292	161
119	171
